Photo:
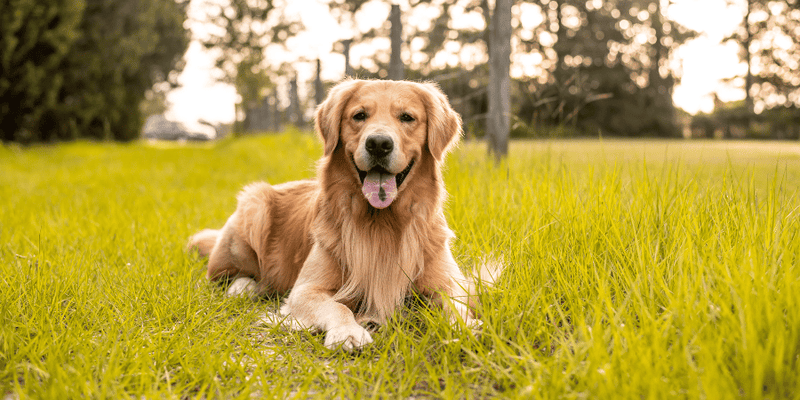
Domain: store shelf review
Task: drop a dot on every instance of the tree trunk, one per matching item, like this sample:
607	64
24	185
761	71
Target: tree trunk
274	114
661	88
487	18
748	79
348	70
396	67
319	90
295	111
499	80
560	47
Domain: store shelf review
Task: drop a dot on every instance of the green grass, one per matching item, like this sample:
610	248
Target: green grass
635	269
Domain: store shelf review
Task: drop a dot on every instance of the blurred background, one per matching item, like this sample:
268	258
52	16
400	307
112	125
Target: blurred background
204	69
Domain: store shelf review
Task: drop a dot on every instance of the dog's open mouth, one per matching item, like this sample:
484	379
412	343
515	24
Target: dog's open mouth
379	186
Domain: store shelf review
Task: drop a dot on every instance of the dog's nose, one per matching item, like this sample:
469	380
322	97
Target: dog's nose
379	145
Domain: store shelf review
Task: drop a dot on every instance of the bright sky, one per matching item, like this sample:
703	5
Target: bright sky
705	62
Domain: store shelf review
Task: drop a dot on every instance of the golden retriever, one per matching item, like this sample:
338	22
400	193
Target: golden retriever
350	245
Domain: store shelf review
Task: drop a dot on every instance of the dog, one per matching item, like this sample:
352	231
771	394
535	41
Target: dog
350	245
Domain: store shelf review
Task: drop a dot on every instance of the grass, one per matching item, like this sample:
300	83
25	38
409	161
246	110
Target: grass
636	269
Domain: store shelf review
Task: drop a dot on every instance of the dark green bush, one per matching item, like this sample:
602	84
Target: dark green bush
35	38
80	68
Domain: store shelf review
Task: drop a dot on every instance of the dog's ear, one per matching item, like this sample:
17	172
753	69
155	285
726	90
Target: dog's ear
328	118
444	124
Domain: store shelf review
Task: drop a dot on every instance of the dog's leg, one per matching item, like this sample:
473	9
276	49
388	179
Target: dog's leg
311	303
244	286
448	287
459	301
233	258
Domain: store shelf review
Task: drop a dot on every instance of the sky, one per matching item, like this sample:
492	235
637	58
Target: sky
704	61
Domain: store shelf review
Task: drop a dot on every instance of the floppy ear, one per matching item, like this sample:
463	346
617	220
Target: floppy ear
329	113
444	124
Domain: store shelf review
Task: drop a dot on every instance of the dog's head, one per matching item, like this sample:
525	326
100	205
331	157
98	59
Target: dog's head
385	128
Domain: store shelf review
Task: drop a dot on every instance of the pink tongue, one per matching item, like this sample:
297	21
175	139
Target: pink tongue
379	189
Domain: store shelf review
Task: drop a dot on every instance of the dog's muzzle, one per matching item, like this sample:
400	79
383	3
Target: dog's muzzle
379	185
379	146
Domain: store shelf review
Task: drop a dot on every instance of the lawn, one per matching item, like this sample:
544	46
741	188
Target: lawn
635	269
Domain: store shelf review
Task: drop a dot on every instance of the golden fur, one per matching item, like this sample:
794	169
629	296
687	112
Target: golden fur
325	244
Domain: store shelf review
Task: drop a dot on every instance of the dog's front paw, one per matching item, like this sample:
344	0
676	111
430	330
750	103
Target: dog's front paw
348	337
466	321
473	324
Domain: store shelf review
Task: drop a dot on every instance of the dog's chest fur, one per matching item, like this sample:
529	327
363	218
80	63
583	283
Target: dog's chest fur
380	257
382	253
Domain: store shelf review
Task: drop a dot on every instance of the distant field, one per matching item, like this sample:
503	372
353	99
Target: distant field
636	269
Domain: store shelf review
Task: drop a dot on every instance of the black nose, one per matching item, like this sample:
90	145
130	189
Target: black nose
379	145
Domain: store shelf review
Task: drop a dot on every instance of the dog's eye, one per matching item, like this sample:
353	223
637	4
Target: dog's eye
360	116
406	117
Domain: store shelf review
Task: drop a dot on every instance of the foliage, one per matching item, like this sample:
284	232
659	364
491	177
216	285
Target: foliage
603	67
610	68
154	102
345	12
35	38
769	36
125	48
734	121
499	89
83	67
655	269
245	29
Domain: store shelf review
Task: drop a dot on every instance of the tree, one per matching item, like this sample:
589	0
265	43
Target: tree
124	49
778	78
660	80
769	36
386	62
245	30
396	67
499	80
109	54
440	33
744	36
592	66
35	37
609	67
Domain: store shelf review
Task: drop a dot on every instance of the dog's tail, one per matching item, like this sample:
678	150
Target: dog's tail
484	275
203	241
